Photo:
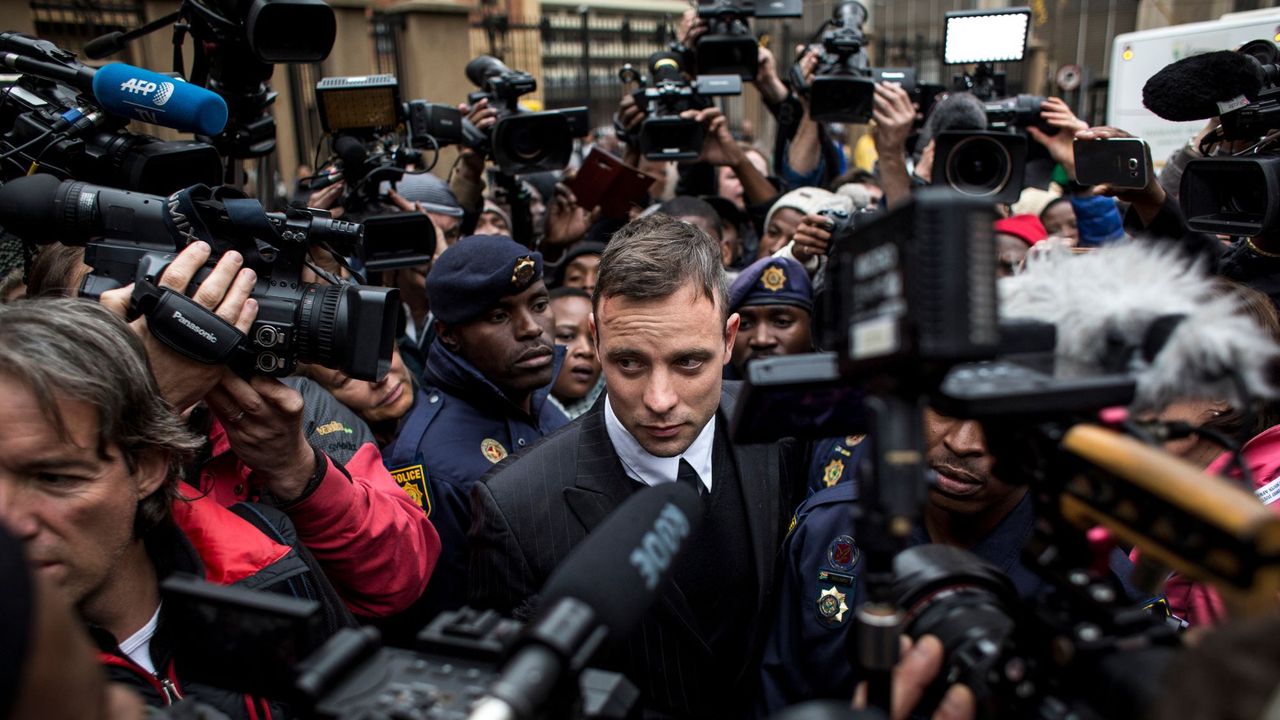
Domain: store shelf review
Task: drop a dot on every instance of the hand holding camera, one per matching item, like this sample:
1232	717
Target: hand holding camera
226	290
263	420
813	237
1055	113
920	663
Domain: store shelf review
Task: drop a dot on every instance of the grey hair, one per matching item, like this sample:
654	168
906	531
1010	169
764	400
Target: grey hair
655	256
74	349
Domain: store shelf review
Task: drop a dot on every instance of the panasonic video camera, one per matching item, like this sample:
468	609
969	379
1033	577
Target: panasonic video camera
132	237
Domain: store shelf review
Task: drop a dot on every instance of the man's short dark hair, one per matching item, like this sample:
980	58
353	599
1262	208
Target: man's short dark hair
564	292
1051	205
655	256
683	206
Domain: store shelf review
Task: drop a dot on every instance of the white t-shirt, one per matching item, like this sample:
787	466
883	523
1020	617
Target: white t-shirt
138	645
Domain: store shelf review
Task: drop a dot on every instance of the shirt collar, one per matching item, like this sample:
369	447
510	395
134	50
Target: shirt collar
649	469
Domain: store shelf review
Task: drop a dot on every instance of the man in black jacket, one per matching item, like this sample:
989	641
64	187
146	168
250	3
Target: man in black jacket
90	474
663	333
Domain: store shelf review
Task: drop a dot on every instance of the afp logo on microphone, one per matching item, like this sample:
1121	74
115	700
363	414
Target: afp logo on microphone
159	93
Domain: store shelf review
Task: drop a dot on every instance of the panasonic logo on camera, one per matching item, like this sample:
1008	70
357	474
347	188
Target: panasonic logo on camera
163	90
195	328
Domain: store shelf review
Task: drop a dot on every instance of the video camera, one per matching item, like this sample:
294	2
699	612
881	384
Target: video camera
1228	195
376	137
51	125
666	93
914	319
728	48
455	659
132	237
465	663
843	85
988	164
521	142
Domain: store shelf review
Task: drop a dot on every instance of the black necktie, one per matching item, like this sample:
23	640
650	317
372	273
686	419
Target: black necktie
689	476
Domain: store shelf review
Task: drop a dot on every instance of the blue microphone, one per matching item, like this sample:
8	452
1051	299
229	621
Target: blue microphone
159	99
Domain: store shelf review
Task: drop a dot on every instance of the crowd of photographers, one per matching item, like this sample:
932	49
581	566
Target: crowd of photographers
553	355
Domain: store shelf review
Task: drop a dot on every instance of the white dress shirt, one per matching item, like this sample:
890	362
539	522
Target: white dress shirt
650	469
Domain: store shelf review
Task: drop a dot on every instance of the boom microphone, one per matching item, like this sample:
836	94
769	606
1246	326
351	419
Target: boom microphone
1185	337
598	595
1204	86
159	99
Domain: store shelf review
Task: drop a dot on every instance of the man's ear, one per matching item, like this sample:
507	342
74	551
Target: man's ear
152	472
595	334
730	335
448	335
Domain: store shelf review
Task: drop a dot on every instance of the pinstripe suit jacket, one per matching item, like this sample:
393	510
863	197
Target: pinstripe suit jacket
533	509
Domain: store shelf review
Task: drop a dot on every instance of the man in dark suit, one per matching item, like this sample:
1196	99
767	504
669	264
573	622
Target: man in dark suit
663	333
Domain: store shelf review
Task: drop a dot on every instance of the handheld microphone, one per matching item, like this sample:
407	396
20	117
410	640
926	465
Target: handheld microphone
1204	86
1188	338
159	99
598	595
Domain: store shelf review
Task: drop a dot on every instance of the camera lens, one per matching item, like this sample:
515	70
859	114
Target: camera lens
523	142
964	602
979	167
347	327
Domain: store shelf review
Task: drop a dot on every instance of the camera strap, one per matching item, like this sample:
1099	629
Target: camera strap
252	232
185	326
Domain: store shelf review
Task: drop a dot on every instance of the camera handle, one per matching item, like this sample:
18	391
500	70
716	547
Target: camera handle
890	495
180	323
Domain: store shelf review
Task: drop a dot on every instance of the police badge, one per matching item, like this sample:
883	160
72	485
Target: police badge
523	272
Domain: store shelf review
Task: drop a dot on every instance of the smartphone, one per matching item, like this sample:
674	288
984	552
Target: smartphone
1119	162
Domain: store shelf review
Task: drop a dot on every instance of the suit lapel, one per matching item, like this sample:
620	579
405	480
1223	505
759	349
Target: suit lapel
601	484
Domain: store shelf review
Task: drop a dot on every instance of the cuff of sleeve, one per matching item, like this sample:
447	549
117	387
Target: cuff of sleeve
324	469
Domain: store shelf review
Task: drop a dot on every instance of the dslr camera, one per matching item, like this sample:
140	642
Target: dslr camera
132	237
521	142
376	136
668	91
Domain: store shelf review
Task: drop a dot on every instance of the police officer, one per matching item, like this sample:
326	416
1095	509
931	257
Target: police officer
806	654
485	394
774	299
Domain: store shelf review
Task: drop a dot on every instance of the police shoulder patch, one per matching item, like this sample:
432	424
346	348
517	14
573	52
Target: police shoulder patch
833	607
413	480
831	474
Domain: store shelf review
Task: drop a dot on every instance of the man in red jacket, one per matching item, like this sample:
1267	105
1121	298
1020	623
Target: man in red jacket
374	543
90	482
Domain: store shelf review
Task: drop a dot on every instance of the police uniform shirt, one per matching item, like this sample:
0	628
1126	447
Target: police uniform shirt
644	467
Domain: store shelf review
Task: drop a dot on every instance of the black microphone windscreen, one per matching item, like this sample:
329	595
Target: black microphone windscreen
105	45
1191	88
27	207
351	150
623	564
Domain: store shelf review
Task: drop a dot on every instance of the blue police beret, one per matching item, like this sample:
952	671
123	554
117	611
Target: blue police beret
772	281
478	271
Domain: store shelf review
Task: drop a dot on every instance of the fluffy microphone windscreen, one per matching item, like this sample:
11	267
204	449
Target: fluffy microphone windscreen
1191	88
